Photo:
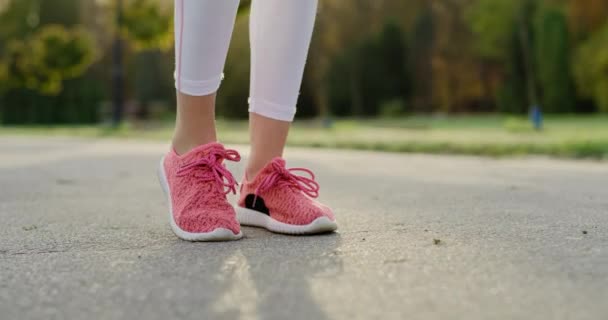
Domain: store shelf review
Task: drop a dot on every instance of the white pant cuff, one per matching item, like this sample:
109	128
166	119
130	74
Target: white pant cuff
272	110
198	87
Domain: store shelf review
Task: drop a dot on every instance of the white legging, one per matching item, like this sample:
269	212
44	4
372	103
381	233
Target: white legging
279	31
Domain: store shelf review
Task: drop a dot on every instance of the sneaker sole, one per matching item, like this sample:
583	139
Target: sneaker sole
252	218
219	234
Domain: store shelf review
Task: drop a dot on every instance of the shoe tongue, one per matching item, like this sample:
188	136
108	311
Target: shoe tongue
280	161
200	151
271	167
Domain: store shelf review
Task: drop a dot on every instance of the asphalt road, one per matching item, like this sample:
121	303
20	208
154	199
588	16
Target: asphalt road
84	235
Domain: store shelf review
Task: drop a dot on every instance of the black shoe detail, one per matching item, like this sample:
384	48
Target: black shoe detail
260	206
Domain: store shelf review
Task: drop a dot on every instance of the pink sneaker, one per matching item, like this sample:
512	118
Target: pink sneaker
281	201
196	185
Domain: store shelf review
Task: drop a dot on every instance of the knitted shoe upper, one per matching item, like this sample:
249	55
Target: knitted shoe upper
199	182
287	196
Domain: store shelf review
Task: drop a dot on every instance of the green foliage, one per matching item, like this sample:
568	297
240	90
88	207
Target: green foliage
492	32
519	86
234	92
19	19
42	65
77	102
392	50
553	61
359	85
152	79
591	68
64	12
61	53
420	59
339	84
508	54
511	97
43	61
368	86
147	25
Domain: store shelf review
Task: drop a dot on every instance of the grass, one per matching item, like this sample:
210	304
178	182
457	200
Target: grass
562	136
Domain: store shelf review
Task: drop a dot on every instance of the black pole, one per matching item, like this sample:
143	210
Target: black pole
117	70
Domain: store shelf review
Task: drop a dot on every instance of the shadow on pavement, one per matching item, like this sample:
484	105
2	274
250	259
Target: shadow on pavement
283	268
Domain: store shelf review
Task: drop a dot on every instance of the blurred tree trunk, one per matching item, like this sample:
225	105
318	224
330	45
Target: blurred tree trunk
486	84
356	95
423	38
118	69
526	52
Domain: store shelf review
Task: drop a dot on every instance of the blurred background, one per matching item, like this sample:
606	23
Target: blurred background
489	77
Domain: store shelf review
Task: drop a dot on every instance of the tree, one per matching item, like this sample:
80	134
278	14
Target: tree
525	39
147	25
586	16
37	71
339	25
394	54
491	43
64	12
505	40
553	61
18	19
591	68
491	32
38	60
233	94
49	57
422	43
374	81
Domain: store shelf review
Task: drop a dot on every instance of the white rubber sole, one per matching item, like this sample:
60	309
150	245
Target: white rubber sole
252	218
219	234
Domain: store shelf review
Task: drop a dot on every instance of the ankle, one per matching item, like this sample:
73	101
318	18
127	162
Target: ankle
182	145
251	172
194	122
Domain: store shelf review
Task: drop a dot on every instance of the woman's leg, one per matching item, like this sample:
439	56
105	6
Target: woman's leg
273	196
193	174
280	33
202	35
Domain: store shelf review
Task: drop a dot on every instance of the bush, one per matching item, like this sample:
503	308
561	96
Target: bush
52	55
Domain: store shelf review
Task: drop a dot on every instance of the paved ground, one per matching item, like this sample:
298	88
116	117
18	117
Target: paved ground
84	235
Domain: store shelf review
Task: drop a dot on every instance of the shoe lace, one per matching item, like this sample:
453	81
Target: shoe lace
281	176
209	167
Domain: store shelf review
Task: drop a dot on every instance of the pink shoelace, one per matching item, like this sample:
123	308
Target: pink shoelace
284	177
209	167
